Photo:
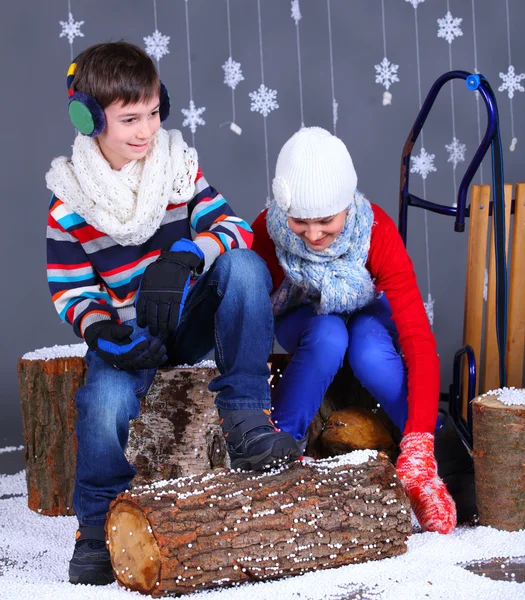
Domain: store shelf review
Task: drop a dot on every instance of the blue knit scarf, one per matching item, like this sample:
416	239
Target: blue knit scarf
334	280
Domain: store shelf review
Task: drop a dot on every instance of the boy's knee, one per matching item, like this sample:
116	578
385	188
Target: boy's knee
244	269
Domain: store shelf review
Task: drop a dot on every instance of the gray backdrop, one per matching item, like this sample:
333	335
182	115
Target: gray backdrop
35	127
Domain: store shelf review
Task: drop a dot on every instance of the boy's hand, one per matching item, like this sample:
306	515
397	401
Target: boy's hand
164	287
112	342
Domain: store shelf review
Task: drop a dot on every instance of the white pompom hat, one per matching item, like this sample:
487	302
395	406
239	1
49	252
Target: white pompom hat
314	176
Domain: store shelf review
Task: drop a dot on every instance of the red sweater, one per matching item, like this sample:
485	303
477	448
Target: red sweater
390	266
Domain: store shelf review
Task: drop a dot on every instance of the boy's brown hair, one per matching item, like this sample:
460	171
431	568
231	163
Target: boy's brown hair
116	71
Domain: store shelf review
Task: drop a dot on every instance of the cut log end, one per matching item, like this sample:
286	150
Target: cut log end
135	553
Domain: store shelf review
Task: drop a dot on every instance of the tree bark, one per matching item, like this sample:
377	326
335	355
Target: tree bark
499	462
227	527
47	392
177	432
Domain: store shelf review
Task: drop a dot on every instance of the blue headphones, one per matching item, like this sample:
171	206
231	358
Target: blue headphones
87	115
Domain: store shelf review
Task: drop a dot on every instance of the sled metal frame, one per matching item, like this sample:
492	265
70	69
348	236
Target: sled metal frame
480	203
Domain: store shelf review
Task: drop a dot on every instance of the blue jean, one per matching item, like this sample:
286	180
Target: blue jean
319	344
228	309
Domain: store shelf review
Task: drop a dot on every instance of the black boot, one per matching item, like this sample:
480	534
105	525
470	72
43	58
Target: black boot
455	467
253	441
91	563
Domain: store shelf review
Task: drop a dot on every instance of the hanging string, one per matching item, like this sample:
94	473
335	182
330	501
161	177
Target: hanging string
192	114
335	105
423	164
296	16
386	72
156	43
263	101
71	29
474	36
511	81
232	74
449	29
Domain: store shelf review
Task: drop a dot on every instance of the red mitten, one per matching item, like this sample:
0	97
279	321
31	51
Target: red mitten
417	468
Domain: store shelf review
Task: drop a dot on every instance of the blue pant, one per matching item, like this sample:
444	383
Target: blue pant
319	344
228	309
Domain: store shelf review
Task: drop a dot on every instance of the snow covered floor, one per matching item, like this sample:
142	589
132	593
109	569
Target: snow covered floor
35	550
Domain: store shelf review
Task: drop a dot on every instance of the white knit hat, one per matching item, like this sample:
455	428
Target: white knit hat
314	175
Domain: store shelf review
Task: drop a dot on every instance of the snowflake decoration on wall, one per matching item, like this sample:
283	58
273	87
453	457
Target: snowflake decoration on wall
415	2
423	164
264	100
157	44
429	309
511	82
296	11
232	73
386	73
456	151
449	27
193	116
71	28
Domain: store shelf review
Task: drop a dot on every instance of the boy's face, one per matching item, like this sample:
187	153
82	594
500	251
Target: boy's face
318	234
129	131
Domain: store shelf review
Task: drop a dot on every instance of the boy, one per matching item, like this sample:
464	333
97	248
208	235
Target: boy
119	222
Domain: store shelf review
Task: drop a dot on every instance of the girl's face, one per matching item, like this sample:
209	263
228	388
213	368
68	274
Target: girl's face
129	131
318	234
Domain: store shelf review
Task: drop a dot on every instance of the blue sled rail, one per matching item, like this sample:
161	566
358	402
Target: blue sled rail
475	83
491	139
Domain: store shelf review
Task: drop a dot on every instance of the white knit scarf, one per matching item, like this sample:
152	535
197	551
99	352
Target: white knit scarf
129	204
334	280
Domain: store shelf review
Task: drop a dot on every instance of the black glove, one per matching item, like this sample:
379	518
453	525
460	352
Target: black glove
164	287
112	342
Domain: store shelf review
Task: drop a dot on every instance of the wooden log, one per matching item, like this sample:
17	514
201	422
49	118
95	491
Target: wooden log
47	392
355	428
177	432
229	527
499	462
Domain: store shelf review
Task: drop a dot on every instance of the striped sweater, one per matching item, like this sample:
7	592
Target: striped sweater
92	278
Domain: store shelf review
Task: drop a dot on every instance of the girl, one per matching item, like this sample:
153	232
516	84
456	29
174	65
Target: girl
345	287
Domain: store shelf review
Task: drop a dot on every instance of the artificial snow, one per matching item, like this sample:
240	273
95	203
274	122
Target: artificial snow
11	449
69	351
510	396
35	550
79	350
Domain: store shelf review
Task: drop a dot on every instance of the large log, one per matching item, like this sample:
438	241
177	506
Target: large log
499	462
228	527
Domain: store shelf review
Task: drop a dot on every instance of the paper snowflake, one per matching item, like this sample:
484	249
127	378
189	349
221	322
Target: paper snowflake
193	116
264	100
511	82
296	11
232	73
386	73
71	28
157	44
415	2
456	151
423	164
449	27
429	309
